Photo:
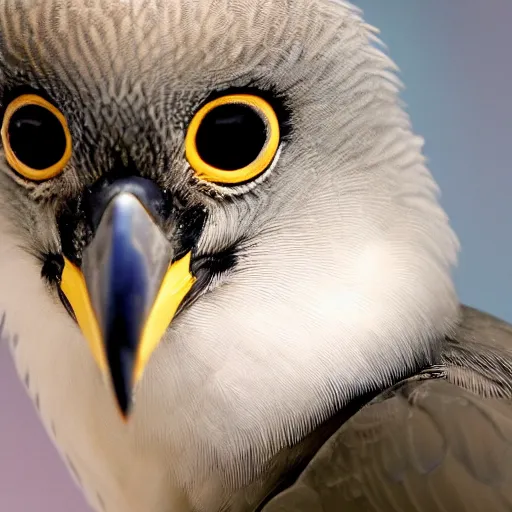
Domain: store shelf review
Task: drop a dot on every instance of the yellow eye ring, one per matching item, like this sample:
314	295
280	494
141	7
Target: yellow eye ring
258	165
10	155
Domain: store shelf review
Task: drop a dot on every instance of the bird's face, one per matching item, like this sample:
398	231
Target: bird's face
232	180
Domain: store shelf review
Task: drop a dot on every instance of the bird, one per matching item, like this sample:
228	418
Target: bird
226	275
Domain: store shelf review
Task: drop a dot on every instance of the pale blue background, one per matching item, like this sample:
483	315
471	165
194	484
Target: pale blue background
456	64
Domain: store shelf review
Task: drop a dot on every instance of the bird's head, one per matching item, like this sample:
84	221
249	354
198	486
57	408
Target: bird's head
233	180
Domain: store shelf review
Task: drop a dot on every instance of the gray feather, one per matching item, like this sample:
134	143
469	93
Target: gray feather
437	442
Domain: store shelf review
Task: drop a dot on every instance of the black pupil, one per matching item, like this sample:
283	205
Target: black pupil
231	136
36	137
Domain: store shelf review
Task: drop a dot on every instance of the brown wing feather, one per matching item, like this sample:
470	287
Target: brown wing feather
439	442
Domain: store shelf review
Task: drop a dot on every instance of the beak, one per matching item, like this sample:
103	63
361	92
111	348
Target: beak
127	291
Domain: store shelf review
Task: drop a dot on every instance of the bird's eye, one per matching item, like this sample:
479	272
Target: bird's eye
35	138
232	139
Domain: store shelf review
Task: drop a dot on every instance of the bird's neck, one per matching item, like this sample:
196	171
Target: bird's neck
289	462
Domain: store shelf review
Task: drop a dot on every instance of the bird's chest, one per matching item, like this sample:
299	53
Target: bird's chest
115	476
121	467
